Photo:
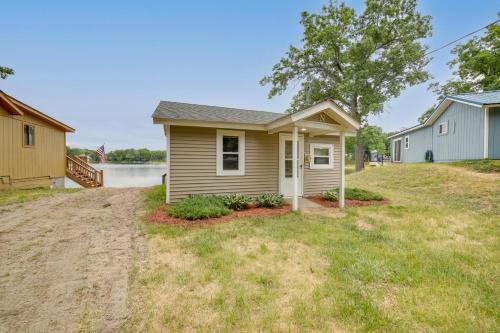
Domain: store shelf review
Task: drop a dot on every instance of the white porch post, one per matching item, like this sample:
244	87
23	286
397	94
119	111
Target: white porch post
166	129
342	171
295	139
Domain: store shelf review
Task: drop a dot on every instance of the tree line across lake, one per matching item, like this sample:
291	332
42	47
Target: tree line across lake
142	155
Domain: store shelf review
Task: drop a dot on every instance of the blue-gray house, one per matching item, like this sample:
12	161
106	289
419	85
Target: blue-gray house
463	127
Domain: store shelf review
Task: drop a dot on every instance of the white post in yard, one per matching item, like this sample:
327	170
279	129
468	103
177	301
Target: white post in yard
342	171
295	162
166	129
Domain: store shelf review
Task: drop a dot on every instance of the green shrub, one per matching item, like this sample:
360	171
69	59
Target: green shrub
236	201
196	207
332	195
270	200
353	193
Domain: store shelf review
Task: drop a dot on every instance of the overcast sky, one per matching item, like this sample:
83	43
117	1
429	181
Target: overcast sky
103	66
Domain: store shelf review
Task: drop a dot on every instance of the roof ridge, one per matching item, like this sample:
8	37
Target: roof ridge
223	107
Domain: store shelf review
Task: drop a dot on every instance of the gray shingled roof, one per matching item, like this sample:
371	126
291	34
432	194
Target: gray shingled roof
186	111
482	98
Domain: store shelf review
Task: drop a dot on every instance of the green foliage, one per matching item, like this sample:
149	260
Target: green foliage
155	197
353	193
270	200
477	65
332	195
374	139
426	115
196	207
5	71
236	201
122	156
359	60
484	166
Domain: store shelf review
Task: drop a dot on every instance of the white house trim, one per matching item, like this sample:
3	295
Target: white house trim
295	157
241	153
394	150
210	124
166	129
342	171
407	142
486	131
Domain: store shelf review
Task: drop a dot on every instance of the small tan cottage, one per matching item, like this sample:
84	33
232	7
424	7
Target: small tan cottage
215	150
32	146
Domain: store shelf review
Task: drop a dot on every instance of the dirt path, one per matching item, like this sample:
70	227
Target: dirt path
65	260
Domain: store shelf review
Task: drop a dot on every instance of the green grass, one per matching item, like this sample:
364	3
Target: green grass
155	197
13	196
198	207
428	262
484	166
353	193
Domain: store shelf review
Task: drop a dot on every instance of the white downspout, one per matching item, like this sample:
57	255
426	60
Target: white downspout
166	129
295	139
342	171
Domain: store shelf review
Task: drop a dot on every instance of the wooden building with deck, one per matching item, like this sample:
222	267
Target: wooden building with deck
33	149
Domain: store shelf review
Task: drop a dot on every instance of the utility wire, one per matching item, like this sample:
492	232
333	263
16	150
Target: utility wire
456	40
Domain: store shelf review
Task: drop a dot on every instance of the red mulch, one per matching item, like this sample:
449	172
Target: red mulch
348	203
160	216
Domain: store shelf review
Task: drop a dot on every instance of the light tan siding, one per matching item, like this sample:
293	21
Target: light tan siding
193	164
30	165
317	181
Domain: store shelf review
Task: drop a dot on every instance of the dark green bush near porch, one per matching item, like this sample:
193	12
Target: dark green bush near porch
236	201
269	200
353	193
196	207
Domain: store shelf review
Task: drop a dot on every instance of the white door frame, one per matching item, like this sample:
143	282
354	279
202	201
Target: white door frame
282	138
394	150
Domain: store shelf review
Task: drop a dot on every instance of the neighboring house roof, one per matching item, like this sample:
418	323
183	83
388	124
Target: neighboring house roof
187	111
480	99
18	108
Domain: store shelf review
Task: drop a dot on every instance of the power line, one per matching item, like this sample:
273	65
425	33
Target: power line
456	40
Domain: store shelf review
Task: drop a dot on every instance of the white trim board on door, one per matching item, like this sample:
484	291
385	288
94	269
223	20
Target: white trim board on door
286	184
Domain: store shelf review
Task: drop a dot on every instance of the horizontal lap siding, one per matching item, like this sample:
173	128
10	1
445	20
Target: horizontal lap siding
317	181
193	164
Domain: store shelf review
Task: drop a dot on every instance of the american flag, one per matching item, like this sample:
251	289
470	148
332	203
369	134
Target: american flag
101	153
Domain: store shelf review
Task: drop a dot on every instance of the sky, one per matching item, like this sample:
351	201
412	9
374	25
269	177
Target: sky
103	66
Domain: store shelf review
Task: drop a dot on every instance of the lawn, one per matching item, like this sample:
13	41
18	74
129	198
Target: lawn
485	166
13	196
427	262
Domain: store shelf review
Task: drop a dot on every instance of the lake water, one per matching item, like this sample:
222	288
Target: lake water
127	175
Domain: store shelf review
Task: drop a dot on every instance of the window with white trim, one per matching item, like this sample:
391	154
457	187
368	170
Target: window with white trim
407	142
321	156
230	153
443	128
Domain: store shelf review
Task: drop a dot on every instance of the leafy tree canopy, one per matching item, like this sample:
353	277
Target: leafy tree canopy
5	71
359	60
424	116
476	65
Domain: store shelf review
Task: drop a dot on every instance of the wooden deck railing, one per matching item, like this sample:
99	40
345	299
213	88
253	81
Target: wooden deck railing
82	173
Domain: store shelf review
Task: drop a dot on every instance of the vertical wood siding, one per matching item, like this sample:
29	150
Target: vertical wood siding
465	138
21	164
317	181
193	164
494	134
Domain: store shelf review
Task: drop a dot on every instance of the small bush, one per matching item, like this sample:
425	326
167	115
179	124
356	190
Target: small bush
332	195
196	207
270	200
236	201
353	193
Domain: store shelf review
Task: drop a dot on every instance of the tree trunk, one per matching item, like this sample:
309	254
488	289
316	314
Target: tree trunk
359	152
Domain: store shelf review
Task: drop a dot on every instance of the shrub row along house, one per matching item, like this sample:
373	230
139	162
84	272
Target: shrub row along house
463	126
213	150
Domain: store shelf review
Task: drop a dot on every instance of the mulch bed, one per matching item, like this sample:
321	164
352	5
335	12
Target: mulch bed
160	216
348	203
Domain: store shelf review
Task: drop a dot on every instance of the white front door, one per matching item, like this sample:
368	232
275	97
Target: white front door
285	152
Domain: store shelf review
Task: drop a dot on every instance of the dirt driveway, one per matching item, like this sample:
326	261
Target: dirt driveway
65	260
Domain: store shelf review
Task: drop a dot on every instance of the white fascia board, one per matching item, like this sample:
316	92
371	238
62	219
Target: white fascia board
210	124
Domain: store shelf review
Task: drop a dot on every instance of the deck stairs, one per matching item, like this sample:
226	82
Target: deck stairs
79	171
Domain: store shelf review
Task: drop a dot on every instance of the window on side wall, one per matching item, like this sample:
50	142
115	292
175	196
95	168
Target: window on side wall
407	142
443	128
321	156
28	135
230	153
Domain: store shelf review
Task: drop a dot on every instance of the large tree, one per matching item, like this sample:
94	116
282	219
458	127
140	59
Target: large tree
5	71
476	65
359	60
